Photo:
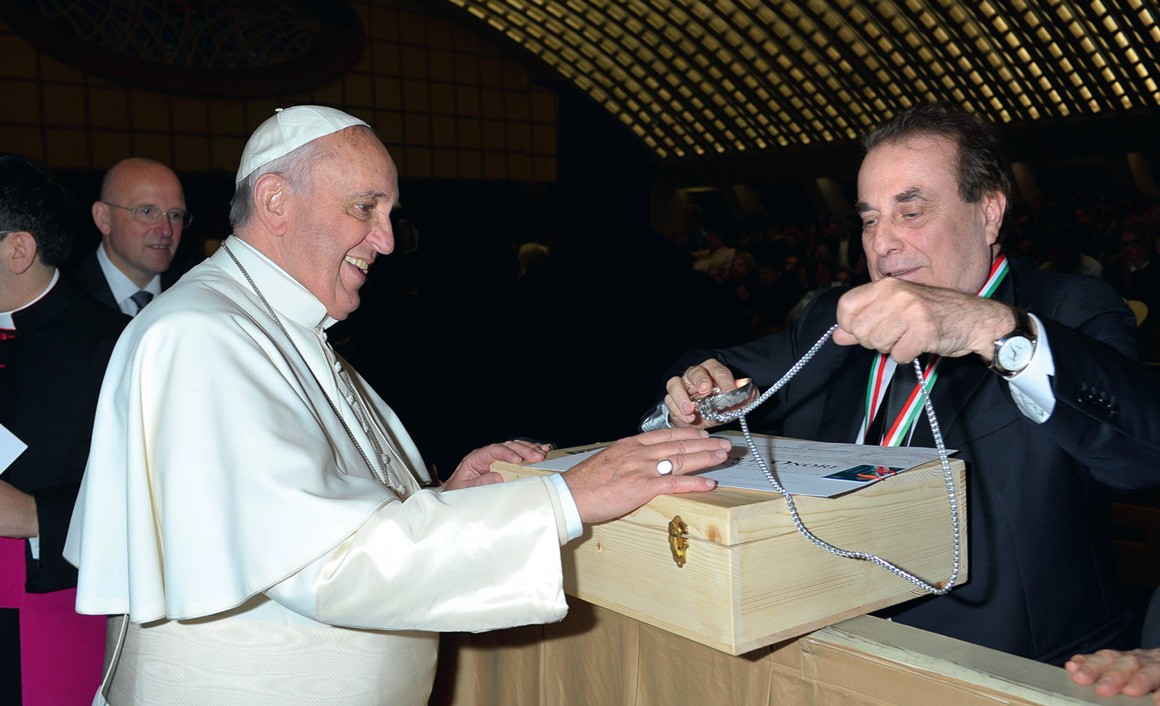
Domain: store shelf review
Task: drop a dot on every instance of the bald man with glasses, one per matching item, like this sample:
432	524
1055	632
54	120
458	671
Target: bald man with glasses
141	216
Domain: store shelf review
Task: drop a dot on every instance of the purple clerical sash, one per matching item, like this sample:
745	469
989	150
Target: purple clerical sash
61	651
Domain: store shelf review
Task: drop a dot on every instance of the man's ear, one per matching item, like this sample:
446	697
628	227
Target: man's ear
18	251
994	208
272	194
101	215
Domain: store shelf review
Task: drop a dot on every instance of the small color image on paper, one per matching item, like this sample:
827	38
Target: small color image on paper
863	473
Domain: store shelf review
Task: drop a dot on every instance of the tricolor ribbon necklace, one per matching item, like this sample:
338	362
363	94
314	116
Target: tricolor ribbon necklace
899	430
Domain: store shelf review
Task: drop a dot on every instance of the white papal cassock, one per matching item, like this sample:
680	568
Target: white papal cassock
227	511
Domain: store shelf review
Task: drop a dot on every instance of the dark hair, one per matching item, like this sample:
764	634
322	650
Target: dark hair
984	165
30	200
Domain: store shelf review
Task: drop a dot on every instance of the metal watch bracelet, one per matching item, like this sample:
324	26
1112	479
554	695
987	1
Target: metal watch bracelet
656	418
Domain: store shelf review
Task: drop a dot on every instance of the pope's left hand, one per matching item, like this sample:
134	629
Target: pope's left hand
904	320
475	468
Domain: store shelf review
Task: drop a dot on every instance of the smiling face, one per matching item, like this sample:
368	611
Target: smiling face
340	221
140	250
915	224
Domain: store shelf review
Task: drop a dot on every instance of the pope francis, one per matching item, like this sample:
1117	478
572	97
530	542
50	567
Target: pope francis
292	549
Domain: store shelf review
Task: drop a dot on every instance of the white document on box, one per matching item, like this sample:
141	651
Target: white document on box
10	448
818	468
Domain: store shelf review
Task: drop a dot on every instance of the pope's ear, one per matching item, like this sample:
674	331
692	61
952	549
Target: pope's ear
271	194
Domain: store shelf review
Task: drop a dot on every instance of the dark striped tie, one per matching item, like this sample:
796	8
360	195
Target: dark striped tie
141	298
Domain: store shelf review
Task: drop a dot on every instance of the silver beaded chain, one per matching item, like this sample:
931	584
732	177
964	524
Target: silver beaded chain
944	461
380	471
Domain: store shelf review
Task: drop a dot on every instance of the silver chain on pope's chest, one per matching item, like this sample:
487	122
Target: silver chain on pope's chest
379	471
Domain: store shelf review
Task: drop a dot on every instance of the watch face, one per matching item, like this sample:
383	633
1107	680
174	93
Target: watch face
1015	353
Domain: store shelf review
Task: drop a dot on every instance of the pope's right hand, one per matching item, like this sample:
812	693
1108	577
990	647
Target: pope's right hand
625	475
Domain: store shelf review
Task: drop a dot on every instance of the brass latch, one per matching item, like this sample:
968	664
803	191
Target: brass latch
678	539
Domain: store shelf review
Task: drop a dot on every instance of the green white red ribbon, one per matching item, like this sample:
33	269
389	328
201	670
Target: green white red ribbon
882	369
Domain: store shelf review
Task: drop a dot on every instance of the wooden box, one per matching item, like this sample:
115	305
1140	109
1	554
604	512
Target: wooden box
749	579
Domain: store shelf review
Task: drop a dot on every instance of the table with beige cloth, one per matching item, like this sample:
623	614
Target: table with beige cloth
598	657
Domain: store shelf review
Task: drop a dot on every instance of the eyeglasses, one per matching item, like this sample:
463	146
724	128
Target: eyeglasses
151	214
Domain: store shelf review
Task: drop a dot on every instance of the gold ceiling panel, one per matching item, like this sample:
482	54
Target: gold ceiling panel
732	77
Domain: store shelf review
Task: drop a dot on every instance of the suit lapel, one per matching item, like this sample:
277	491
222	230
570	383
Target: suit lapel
960	379
91	279
845	397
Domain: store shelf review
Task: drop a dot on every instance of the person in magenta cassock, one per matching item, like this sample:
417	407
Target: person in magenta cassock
54	344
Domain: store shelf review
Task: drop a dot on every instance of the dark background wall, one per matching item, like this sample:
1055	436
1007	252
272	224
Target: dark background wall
493	152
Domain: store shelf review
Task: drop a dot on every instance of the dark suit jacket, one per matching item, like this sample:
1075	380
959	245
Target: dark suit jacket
1039	550
90	279
51	369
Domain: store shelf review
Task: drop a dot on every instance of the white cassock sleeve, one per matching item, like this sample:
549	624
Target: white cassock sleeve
415	570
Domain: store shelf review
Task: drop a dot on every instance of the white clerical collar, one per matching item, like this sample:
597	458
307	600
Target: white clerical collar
6	320
285	294
123	287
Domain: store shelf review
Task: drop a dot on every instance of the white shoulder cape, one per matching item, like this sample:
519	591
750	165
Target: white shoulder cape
219	469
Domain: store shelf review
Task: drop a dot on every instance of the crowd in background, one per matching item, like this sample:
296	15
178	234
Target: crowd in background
578	318
771	271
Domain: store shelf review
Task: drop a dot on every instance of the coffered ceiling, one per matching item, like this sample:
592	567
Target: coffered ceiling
737	77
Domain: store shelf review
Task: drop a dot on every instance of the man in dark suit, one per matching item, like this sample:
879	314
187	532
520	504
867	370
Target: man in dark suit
1037	387
141	215
54	344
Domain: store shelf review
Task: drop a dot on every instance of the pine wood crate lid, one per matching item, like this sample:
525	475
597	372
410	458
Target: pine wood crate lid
737	575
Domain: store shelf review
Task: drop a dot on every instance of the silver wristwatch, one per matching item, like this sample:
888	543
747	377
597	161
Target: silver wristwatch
1013	351
656	418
